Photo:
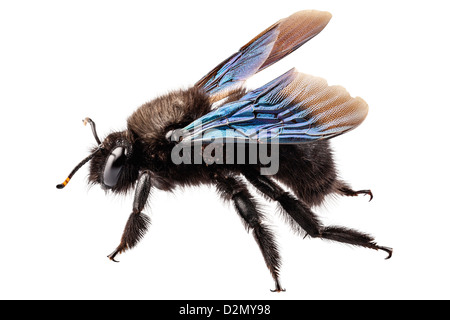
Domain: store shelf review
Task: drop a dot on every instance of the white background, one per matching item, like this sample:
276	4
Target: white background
61	61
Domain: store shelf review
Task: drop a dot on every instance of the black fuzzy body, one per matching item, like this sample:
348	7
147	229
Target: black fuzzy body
141	157
307	169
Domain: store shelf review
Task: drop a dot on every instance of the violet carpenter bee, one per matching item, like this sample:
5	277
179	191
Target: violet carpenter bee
297	113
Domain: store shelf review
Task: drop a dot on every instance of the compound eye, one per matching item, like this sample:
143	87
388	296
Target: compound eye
113	167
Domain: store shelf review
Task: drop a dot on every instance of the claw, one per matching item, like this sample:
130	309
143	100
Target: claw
114	260
278	290
365	192
350	193
113	255
388	250
278	287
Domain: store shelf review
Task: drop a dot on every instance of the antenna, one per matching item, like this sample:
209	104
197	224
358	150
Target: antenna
89	157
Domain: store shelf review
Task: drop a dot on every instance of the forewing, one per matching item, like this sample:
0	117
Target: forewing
268	47
294	108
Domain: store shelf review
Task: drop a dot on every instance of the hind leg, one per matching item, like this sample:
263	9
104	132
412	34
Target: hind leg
301	214
343	189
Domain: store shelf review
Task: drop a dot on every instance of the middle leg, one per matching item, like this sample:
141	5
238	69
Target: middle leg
234	189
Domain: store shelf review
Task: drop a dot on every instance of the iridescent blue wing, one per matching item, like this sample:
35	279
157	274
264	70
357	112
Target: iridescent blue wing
268	47
294	108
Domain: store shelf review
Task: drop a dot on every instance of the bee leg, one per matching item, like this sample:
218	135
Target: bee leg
234	189
345	190
300	214
138	222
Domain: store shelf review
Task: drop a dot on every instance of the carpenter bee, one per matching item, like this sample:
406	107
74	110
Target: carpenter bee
296	112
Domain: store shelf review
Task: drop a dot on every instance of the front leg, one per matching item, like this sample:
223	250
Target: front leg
138	222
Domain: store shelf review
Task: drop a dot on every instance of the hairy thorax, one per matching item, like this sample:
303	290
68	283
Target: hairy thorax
151	122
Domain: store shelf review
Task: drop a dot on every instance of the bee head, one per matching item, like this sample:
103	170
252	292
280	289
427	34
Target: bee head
112	167
112	164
